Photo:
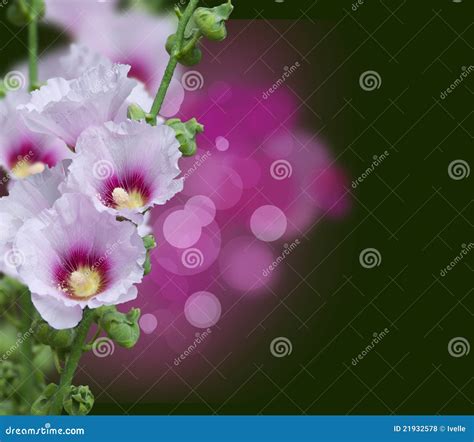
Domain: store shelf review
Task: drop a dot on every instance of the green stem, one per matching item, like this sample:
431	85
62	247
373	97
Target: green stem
33	45
72	361
173	61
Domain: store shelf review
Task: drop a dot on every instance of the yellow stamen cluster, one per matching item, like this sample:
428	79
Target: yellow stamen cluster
24	169
84	282
127	200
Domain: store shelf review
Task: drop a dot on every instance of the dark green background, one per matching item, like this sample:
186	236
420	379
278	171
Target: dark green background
410	210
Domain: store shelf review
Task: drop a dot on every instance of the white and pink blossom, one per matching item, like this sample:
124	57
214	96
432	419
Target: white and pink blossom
76	257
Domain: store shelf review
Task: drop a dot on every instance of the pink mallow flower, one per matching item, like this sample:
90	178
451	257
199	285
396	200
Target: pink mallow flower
77	257
26	199
65	108
127	168
23	153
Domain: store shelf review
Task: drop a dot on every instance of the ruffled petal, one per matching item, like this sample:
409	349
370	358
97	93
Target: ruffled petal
64	108
56	313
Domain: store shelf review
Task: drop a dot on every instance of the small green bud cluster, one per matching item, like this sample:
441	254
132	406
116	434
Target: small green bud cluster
57	339
186	134
211	21
122	328
78	401
205	22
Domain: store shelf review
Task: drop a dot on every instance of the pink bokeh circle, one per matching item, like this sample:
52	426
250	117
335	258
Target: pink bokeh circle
202	309
222	144
243	264
148	323
182	228
203	208
190	260
268	223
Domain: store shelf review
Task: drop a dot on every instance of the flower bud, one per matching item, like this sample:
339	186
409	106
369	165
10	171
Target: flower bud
120	327
59	339
42	405
189	57
186	134
78	401
211	21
